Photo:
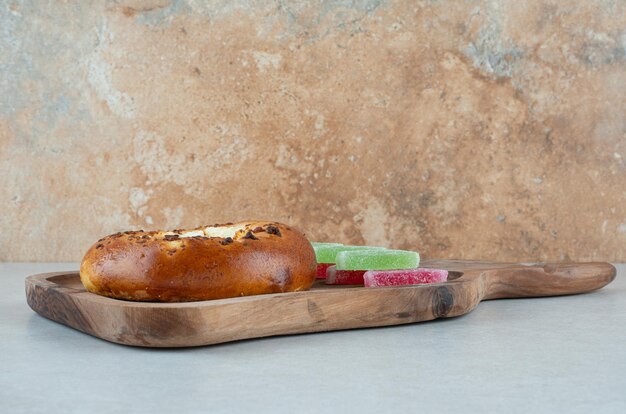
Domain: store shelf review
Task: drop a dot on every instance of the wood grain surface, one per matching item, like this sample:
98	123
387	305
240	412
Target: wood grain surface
62	298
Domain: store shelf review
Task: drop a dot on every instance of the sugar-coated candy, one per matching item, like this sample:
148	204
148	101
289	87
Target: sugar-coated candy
378	278
344	277
376	259
326	253
321	270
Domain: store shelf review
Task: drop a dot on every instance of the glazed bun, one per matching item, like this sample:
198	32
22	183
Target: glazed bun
214	262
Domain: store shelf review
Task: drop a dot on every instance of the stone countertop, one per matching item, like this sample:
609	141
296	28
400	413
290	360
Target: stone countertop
563	354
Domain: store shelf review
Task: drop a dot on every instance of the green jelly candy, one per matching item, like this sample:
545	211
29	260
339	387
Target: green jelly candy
377	260
325	250
327	253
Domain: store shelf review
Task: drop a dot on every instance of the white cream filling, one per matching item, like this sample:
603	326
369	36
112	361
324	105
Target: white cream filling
193	233
222	232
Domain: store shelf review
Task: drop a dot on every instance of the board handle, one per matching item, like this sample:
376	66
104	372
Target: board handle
547	279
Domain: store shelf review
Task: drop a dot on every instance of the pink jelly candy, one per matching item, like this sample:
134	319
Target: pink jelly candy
344	277
377	278
321	270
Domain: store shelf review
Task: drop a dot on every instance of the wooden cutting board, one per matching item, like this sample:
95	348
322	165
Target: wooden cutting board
62	298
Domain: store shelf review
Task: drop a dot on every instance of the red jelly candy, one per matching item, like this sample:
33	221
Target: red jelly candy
321	270
344	277
377	278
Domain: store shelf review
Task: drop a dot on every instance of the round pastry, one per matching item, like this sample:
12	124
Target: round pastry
214	262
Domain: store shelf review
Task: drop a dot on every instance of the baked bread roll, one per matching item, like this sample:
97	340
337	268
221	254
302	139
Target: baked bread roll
214	262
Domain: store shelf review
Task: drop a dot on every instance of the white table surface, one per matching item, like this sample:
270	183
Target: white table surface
561	354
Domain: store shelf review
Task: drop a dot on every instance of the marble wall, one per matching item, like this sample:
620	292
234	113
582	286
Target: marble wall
466	129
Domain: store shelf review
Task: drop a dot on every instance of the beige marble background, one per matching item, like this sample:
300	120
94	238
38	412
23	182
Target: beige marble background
466	129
